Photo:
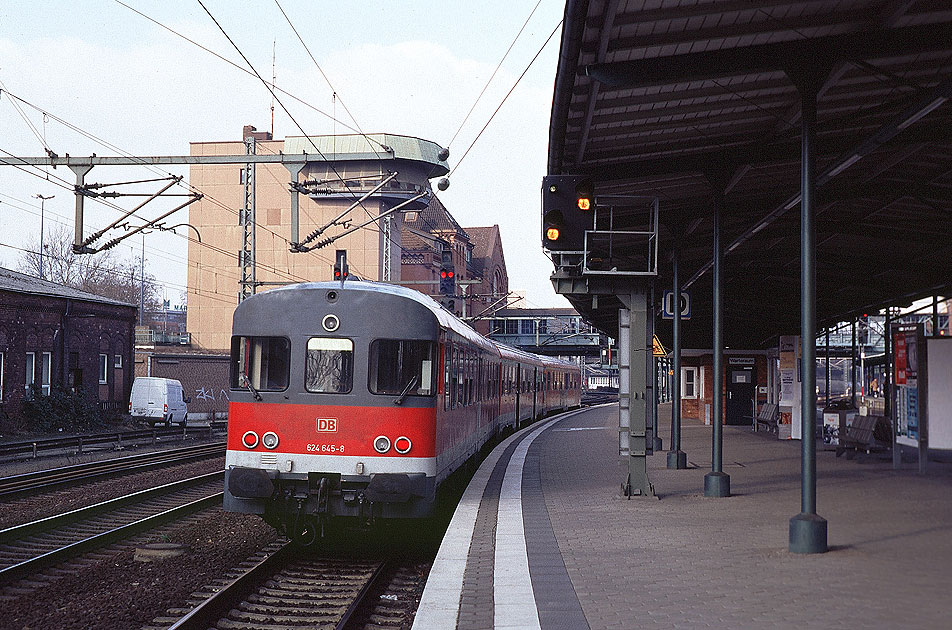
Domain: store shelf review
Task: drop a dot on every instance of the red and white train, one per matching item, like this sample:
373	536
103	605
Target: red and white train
358	400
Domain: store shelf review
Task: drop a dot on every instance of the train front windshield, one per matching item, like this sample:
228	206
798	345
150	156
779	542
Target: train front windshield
330	365
262	362
399	366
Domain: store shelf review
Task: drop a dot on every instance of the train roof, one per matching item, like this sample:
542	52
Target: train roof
444	317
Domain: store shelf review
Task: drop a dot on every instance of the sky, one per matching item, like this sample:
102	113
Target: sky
413	68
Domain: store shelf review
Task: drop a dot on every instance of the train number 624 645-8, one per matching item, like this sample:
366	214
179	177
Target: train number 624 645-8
325	448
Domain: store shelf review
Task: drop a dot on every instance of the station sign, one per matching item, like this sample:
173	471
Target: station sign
667	305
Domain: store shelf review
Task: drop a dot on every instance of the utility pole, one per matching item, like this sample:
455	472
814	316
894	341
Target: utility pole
42	199
142	280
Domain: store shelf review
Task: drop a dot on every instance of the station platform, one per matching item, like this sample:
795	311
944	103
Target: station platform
543	538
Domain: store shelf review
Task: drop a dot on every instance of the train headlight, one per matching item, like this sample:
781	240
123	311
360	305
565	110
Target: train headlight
269	440
249	439
402	445
382	444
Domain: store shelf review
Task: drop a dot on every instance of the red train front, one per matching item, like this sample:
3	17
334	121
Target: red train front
357	401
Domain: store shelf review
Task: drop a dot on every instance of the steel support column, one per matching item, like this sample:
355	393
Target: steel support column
80	172
853	365
246	218
651	378
676	458
632	400
827	373
808	530
717	483
887	386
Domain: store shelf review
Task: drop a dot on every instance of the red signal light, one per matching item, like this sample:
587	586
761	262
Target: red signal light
442	274
449	274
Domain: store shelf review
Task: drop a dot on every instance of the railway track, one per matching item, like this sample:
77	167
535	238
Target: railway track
26	483
78	443
280	589
29	548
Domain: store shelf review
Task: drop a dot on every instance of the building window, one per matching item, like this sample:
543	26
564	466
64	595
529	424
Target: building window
689	382
527	327
103	364
30	373
512	326
117	362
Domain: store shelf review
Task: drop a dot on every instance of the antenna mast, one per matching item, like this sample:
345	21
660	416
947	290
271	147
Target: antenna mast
273	77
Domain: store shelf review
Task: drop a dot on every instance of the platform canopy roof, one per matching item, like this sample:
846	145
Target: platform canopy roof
679	98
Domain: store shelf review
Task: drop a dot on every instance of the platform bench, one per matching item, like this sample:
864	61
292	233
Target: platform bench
767	418
860	436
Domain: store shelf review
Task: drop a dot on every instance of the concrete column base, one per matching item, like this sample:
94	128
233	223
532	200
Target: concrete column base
808	533
717	484
657	444
677	460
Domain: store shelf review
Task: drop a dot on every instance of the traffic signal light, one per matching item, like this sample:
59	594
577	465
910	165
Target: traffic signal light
340	265
568	204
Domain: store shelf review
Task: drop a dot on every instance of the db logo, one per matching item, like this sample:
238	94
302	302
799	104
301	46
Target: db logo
327	425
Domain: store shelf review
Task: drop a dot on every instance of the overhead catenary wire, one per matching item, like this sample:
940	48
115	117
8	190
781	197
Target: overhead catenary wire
493	75
279	101
67	185
505	98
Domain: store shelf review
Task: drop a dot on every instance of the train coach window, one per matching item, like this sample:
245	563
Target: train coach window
262	362
399	364
330	365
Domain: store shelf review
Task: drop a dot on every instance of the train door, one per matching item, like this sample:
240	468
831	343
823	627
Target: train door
535	393
518	388
740	394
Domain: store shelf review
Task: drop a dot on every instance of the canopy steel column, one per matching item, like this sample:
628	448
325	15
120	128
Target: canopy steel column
853	365
887	385
651	378
717	483
632	390
676	458
807	529
827	374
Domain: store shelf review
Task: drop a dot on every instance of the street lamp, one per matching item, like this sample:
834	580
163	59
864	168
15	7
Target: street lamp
42	199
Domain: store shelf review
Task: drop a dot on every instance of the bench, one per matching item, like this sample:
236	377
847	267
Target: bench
766	417
861	436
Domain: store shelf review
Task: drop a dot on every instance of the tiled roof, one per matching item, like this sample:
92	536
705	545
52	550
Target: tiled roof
21	283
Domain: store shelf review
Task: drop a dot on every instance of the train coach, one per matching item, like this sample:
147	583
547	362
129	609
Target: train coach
357	400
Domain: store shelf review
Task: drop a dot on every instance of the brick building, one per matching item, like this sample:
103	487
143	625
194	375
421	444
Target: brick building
424	235
488	264
745	383
343	168
51	335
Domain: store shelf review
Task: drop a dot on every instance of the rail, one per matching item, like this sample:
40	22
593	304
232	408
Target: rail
79	442
26	534
25	483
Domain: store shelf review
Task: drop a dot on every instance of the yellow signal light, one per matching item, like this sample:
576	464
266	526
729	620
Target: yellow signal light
552	233
584	203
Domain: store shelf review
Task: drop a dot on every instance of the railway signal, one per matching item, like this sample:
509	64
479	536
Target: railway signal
340	265
568	204
447	273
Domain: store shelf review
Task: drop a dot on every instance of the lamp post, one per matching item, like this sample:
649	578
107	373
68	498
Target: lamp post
42	199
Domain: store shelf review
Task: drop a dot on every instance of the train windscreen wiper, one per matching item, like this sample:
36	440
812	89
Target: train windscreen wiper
405	392
249	387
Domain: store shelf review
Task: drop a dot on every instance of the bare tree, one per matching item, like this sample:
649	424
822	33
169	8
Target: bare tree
98	273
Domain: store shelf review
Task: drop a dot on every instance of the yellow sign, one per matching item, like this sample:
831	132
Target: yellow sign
657	349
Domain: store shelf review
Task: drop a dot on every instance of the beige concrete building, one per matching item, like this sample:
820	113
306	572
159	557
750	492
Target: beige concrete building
338	170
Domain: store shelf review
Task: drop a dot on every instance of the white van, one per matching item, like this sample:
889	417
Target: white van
158	400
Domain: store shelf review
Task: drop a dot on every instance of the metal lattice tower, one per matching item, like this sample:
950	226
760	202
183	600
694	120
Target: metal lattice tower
385	228
246	218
